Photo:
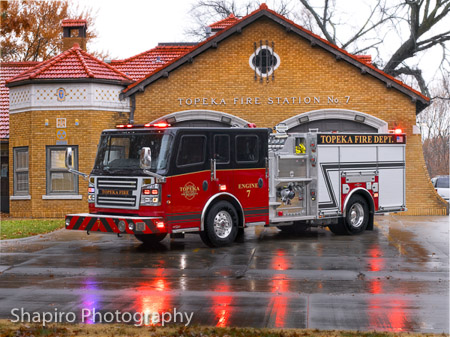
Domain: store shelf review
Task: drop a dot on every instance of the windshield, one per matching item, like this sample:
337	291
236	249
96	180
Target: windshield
442	182
119	152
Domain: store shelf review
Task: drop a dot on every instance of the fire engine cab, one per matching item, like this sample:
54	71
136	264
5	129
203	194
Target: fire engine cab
152	180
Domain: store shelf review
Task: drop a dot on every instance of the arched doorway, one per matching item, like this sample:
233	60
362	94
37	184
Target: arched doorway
328	120
202	118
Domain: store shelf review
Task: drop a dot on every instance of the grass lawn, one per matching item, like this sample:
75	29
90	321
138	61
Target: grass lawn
13	229
15	329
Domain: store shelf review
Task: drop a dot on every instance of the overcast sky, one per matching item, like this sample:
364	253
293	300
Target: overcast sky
128	27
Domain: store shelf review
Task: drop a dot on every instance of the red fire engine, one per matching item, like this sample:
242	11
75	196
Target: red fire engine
154	180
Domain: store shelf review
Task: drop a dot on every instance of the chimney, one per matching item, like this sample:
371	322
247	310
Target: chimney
74	31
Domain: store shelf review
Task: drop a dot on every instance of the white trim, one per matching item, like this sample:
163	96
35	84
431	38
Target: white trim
209	115
78	108
62	197
112	216
20	197
79	96
321	114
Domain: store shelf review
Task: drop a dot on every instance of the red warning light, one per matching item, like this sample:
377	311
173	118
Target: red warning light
161	125
160	224
223	187
129	125
398	131
120	126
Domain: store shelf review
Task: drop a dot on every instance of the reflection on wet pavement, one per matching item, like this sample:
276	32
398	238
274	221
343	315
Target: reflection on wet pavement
394	278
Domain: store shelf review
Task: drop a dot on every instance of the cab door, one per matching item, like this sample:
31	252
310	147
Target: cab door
189	180
251	185
222	173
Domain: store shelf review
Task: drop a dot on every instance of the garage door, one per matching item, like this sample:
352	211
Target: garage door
329	125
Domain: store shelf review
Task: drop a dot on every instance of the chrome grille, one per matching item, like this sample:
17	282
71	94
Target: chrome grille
116	192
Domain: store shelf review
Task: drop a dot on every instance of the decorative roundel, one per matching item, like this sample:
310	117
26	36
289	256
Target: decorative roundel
61	94
264	61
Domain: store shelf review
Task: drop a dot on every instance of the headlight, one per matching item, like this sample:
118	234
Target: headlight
121	225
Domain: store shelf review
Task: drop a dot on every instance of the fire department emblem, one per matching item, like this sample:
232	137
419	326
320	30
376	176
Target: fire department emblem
189	191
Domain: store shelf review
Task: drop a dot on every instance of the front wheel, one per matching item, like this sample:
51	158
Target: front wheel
150	239
356	218
221	225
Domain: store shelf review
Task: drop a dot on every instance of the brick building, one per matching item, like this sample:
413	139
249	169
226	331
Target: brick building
261	69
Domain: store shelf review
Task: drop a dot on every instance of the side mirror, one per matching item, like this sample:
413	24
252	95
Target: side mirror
69	158
146	158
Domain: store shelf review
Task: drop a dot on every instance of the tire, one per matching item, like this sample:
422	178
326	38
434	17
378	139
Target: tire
150	239
220	225
356	219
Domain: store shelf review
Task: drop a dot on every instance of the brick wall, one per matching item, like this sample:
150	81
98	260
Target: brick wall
28	129
304	71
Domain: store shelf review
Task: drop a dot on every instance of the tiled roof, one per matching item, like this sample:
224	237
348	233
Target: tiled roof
140	65
222	24
9	70
264	10
74	63
365	58
73	23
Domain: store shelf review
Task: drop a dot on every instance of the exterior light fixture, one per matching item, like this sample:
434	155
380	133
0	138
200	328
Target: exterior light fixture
171	120
303	119
46	122
225	119
360	119
77	122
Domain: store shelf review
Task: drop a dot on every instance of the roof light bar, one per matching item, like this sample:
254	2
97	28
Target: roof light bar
147	125
161	125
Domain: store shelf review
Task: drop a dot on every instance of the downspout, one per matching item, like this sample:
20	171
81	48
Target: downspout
133	108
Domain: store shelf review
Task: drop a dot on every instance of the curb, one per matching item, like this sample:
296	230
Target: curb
34	237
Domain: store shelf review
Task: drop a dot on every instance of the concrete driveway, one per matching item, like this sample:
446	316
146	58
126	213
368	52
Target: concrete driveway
395	278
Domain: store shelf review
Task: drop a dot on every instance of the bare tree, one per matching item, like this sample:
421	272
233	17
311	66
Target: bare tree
416	25
434	123
414	21
205	12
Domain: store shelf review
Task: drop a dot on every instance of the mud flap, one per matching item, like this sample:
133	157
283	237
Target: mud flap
370	224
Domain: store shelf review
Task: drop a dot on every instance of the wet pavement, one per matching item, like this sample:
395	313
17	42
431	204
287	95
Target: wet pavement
395	278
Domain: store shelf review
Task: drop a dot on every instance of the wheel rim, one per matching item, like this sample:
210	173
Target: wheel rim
223	224
356	213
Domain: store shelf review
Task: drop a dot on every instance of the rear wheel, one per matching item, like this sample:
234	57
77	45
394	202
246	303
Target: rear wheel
356	218
220	225
150	239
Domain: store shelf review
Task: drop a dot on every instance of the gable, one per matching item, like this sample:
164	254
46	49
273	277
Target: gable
290	28
308	78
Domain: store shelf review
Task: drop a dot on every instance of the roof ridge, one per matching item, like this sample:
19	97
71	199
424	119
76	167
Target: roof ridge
231	16
83	62
107	65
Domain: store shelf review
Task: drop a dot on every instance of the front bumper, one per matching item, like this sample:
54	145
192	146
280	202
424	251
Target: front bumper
110	224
